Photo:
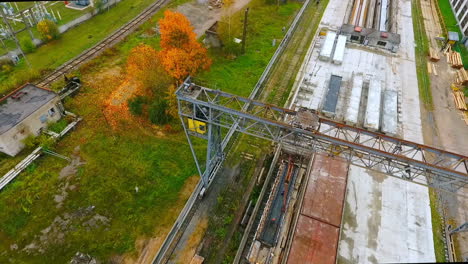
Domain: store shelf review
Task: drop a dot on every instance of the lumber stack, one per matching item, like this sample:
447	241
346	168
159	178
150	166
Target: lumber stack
433	55
462	76
459	98
455	59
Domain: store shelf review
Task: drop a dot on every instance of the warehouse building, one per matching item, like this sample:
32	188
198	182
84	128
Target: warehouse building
26	112
460	9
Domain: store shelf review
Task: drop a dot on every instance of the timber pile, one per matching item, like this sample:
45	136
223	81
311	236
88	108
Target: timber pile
459	98
465	117
433	55
462	77
455	59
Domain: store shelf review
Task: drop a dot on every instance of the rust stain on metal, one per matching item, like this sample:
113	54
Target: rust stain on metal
324	196
314	242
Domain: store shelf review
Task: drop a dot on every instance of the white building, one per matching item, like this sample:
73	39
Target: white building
24	112
460	9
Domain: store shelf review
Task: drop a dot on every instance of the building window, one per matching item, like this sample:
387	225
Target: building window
43	118
381	43
52	111
355	38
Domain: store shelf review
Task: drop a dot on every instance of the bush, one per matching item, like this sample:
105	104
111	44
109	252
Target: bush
136	104
27	45
48	30
157	112
59	126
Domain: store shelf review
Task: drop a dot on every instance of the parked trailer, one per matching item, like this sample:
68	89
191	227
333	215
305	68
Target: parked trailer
340	50
329	107
390	113
374	98
352	112
328	45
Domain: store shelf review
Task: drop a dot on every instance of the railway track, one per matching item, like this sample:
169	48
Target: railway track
108	42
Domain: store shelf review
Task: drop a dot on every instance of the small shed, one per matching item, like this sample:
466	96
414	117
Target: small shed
24	112
453	37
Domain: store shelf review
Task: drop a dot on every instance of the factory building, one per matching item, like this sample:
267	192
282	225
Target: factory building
460	9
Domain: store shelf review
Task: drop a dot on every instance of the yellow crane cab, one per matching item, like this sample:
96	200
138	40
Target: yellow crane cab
196	126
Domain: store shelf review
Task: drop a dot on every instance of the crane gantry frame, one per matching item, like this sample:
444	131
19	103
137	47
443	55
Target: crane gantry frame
393	156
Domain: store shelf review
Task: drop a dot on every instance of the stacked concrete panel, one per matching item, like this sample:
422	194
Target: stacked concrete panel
339	50
390	113
352	112
374	98
327	48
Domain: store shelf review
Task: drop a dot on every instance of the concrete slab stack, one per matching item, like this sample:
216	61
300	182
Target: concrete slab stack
390	112
374	98
339	50
327	47
352	112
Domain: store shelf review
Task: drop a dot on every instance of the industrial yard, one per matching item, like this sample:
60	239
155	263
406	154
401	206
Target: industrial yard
324	131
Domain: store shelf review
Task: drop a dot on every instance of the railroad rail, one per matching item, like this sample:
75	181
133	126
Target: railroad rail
108	42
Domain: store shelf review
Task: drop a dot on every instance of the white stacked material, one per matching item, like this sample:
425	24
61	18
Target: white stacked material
327	48
372	120
390	112
339	50
383	15
352	112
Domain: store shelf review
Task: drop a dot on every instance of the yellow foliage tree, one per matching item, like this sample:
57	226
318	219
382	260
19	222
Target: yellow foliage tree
181	53
144	66
47	29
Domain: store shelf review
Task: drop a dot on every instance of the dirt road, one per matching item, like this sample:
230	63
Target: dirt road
444	127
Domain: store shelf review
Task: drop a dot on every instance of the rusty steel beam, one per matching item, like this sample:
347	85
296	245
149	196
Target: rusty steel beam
393	156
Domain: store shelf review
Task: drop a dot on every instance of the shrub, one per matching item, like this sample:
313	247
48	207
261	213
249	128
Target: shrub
157	112
59	126
136	104
48	30
27	45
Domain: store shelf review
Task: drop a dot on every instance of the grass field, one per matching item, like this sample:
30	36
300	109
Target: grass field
265	24
132	183
72	43
437	227
421	51
451	25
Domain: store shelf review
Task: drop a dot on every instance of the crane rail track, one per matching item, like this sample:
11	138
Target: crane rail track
108	42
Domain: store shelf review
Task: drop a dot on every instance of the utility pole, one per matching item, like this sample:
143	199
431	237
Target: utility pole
244	34
13	33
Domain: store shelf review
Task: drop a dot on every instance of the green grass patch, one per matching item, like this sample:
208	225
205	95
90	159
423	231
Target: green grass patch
450	22
57	127
71	43
437	227
141	156
421	51
240	74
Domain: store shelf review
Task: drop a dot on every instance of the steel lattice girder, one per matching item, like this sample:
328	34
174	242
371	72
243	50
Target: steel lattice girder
396	157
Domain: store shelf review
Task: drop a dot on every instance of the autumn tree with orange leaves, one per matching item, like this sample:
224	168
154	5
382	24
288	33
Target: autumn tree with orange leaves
181	53
144	66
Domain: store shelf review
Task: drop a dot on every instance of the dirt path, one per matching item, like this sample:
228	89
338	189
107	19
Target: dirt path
443	127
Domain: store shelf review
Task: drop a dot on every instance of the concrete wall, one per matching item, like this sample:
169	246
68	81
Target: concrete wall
11	141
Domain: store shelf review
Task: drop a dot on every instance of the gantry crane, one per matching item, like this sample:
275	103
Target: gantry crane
209	114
